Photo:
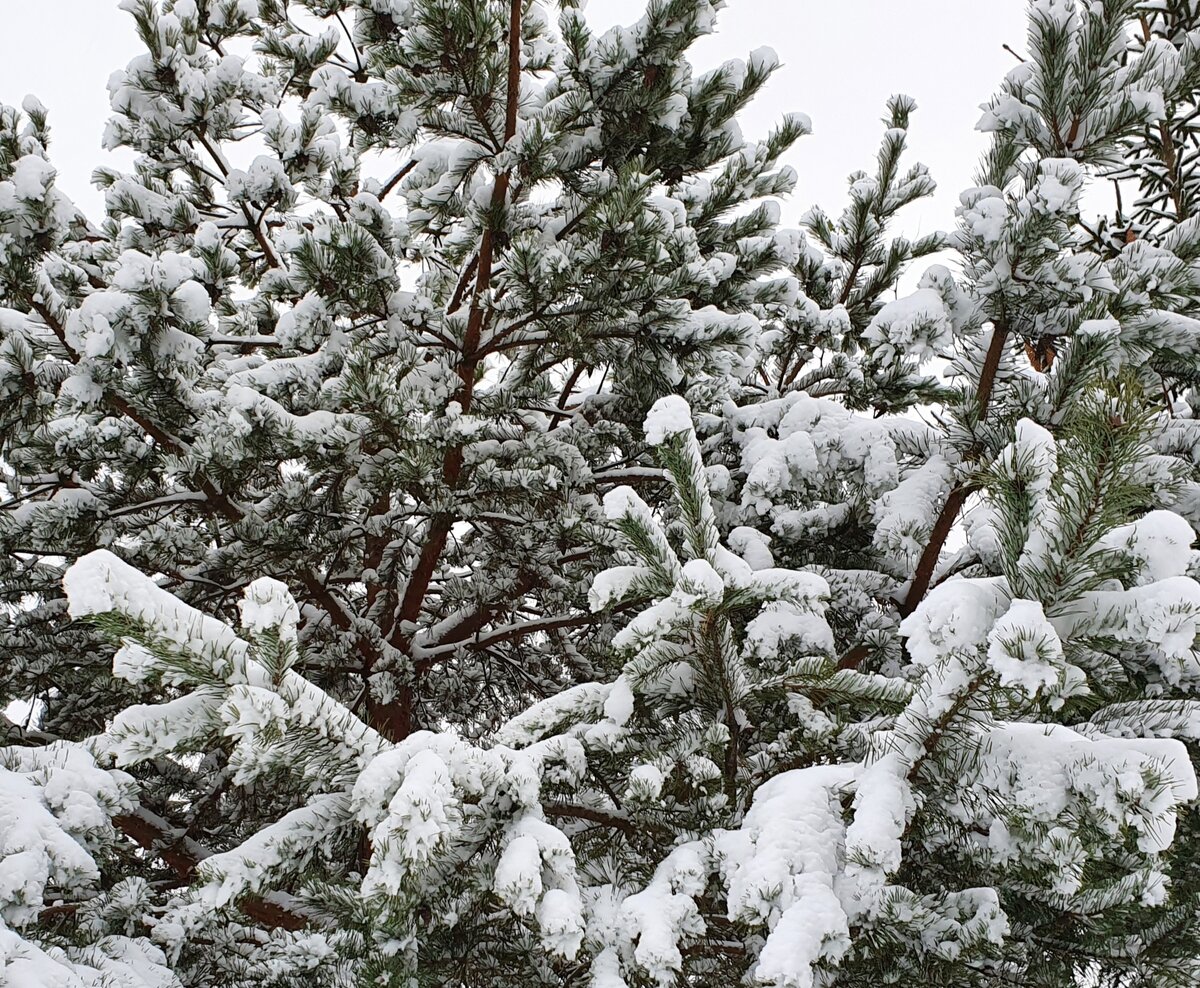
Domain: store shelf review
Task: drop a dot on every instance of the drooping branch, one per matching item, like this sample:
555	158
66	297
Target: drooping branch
591	815
169	844
182	855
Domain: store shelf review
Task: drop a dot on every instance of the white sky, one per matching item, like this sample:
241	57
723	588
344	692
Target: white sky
841	60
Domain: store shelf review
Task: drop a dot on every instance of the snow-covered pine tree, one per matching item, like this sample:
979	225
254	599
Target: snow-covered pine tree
905	705
1056	343
1049	328
378	313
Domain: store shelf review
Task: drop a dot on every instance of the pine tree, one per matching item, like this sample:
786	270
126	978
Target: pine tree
377	313
556	573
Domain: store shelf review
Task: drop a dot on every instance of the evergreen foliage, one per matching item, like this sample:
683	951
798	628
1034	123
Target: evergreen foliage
455	536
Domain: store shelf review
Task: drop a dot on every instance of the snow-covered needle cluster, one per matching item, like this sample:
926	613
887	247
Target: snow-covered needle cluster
454	536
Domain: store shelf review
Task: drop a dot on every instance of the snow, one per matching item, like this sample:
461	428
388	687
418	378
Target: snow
613	585
671	113
533	853
581	702
1006	113
984	215
624	504
1034	448
286	845
191	302
55	806
321	427
753	546
763	59
669	416
112	962
167	271
606	970
794	827
268	606
1059	768
265	179
1024	650
883	806
814	928
645	782
783	624
420	817
780	868
916	326
561	923
31	177
518	880
816	440
142	732
665	912
1059	14
1099	328
1163	617
618	706
32	106
90	330
304	324
955	616
249	712
905	515
1059	183
133	663
622	501
1160	541
100	583
701	585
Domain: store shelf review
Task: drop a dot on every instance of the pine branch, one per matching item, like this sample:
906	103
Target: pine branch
183	855
170	844
923	574
269	254
396	179
574	812
1169	157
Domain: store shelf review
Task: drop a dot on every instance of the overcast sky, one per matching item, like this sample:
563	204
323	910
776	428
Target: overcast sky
841	60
